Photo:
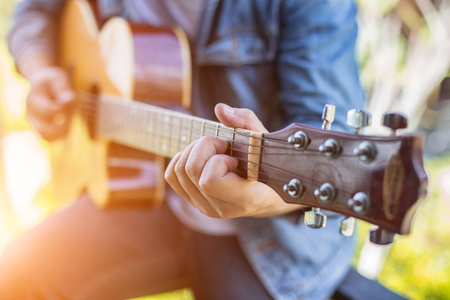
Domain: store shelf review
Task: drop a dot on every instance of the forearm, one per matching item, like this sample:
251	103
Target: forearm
32	38
316	61
33	62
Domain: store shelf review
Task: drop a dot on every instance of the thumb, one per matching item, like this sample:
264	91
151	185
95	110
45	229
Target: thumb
61	88
238	118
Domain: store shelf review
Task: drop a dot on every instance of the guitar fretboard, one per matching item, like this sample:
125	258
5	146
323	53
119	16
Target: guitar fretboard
154	129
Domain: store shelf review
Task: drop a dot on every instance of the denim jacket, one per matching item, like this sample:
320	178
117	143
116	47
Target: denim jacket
284	59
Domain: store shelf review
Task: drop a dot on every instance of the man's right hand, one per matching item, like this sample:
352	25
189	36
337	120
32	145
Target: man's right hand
49	101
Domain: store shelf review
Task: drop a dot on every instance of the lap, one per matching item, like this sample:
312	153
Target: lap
83	252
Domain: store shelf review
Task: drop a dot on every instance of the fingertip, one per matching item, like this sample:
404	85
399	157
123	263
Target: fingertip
224	108
226	115
170	167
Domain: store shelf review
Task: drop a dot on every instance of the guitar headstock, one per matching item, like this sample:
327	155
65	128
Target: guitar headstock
378	179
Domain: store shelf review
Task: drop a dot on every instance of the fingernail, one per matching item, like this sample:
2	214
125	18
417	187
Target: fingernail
228	109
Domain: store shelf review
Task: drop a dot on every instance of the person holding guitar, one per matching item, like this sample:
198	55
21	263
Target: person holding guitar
228	238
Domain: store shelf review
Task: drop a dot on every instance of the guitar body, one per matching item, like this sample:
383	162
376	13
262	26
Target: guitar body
122	60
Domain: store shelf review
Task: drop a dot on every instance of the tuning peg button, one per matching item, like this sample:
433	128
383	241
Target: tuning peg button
395	121
347	226
381	237
315	218
328	116
358	119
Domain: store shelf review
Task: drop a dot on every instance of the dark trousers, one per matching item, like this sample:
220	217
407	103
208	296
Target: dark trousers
83	252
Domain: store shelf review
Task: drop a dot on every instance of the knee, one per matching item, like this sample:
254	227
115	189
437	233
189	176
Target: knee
21	266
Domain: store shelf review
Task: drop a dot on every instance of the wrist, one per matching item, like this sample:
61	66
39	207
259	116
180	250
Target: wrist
276	206
33	63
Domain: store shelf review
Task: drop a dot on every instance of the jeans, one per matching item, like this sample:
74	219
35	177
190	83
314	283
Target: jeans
83	252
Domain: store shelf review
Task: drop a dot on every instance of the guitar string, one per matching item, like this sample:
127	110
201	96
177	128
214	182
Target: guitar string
171	113
215	128
283	182
305	176
280	171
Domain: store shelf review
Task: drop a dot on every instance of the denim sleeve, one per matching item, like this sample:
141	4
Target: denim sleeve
316	60
34	28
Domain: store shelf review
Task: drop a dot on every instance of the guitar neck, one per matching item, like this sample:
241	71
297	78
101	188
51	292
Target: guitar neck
157	130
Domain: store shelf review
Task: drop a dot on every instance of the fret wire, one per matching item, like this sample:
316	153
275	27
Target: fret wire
181	133
160	132
183	139
163	136
203	128
150	107
153	127
111	110
233	130
169	141
168	135
160	136
151	130
143	135
190	132
157	130
232	141
206	124
174	136
147	126
171	136
116	109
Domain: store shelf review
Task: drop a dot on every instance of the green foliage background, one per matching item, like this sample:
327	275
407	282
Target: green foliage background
417	266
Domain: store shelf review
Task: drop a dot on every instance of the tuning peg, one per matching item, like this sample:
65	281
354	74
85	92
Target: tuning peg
294	188
299	140
360	203
325	193
328	116
395	121
381	237
347	226
315	218
358	119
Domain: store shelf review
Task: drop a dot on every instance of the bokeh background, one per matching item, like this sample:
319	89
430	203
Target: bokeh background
404	56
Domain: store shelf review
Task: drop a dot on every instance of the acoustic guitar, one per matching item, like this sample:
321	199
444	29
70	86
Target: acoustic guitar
378	179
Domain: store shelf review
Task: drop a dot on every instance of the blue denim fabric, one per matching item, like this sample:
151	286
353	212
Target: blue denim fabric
284	59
